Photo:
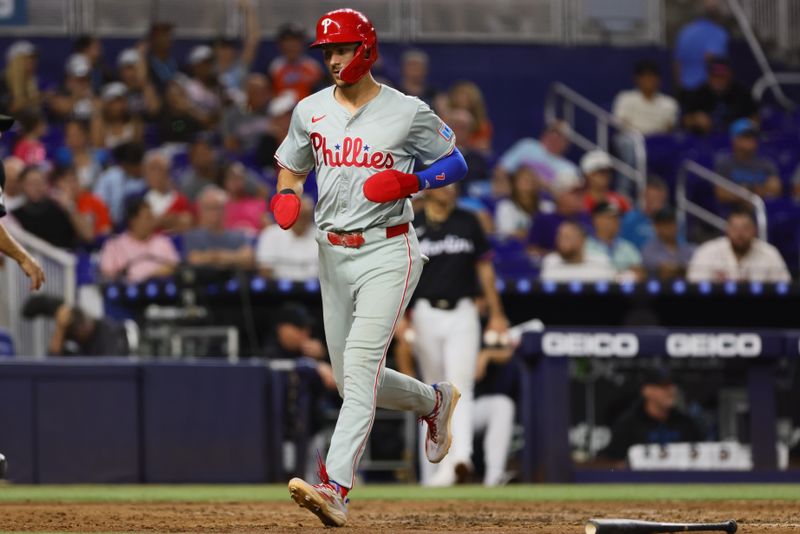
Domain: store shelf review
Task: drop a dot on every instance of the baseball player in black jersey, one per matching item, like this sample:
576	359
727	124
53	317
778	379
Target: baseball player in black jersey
8	245
445	317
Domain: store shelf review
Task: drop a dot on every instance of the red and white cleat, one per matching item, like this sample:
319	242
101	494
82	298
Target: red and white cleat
326	500
439	437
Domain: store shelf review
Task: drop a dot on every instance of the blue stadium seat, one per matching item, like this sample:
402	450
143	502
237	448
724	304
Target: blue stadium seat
6	344
511	258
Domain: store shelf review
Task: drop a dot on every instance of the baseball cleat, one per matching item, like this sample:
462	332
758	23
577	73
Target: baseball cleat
322	500
439	437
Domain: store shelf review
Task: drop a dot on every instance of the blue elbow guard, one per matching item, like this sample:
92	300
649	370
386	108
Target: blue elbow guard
448	170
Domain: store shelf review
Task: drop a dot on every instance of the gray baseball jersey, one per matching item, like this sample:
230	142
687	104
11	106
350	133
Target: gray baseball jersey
345	149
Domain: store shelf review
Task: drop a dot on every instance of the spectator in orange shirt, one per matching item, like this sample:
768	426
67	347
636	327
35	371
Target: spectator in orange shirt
68	192
597	168
467	95
292	69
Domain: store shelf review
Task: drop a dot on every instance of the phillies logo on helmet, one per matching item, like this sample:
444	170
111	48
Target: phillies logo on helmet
351	153
327	22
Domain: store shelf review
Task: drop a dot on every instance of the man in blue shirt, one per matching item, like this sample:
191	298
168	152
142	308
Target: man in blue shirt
606	241
666	255
122	181
744	166
637	224
697	41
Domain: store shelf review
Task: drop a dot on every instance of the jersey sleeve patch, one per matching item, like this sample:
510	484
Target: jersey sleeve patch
445	132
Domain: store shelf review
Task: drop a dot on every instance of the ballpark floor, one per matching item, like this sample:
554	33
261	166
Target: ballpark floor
549	509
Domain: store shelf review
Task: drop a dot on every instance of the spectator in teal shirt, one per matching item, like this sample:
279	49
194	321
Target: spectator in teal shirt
637	224
606	241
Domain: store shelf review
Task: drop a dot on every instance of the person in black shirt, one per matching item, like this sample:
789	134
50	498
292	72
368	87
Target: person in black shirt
445	316
57	222
713	106
9	245
312	374
76	333
653	418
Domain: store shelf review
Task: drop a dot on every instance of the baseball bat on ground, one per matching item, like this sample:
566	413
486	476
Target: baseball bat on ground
629	526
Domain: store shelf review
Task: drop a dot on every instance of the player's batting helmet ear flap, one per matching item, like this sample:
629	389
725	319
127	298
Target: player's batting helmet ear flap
349	26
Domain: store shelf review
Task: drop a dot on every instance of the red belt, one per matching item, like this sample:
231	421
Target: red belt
356	239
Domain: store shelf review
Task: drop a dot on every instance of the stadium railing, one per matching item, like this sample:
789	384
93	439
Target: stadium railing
755	47
532	21
31	337
561	104
686	206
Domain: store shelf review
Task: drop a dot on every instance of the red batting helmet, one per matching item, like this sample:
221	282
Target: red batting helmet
349	26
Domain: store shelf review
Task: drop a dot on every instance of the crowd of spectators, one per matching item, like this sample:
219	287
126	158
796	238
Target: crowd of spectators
164	160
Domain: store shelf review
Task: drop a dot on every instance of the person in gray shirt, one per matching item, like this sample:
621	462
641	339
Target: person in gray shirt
744	166
210	245
666	255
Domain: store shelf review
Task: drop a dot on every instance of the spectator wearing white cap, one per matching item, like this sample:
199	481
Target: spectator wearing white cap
243	125
624	256
76	98
597	169
738	256
92	49
201	86
280	115
143	99
113	124
19	89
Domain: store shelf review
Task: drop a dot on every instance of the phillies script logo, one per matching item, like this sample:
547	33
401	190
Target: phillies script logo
351	153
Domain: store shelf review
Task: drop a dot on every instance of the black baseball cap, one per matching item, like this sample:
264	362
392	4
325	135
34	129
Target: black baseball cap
657	376
664	215
610	208
294	314
290	30
6	123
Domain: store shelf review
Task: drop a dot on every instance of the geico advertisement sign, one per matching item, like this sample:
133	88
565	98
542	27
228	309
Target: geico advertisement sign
583	344
722	345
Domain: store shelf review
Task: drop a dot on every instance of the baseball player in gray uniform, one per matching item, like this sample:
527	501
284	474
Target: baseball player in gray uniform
362	138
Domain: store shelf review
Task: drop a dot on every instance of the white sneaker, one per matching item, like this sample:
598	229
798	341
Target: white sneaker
439	437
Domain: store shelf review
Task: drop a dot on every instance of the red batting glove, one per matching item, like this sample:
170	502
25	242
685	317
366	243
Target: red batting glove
390	185
285	207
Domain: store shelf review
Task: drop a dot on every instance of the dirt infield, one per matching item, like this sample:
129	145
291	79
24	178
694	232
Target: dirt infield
373	516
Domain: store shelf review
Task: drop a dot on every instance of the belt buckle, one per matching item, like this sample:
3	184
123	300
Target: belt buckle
353	240
442	304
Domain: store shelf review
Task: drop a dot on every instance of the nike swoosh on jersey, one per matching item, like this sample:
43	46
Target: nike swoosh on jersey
317	119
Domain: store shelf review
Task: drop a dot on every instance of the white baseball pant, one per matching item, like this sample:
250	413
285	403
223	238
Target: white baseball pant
365	291
494	416
446	347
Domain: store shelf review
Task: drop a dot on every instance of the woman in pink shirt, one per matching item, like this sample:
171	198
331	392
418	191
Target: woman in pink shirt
242	212
140	253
